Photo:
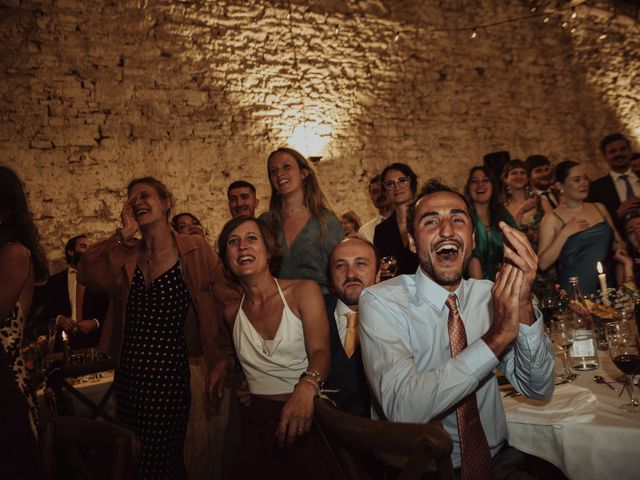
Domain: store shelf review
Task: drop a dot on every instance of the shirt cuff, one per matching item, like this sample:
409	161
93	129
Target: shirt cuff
532	333
478	359
97	322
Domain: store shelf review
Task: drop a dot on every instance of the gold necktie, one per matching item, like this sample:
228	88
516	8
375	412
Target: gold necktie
353	335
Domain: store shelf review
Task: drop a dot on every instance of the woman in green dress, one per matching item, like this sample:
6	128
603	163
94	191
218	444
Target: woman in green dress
482	191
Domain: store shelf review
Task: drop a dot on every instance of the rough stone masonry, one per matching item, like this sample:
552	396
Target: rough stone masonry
198	93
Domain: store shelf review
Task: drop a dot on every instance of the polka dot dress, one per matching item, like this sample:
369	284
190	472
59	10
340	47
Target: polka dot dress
152	382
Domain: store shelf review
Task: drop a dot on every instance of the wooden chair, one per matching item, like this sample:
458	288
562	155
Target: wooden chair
89	449
425	447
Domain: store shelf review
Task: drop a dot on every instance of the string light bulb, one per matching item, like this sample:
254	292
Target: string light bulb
565	24
474	34
546	20
573	30
574	14
602	36
396	37
337	31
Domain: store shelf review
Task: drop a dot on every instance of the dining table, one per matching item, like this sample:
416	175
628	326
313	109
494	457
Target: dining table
580	429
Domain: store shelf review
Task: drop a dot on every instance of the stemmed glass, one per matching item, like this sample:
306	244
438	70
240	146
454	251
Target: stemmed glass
625	353
562	335
389	267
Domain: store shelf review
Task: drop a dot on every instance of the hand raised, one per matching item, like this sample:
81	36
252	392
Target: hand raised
519	252
505	307
129	224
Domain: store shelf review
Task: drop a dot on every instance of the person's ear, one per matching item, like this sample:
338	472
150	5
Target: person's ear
412	244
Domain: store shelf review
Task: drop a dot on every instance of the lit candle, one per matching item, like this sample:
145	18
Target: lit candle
602	277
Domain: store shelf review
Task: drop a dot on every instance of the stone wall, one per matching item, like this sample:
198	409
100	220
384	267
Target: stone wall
198	93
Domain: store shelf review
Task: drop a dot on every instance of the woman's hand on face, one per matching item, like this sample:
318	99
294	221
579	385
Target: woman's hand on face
129	224
297	414
575	225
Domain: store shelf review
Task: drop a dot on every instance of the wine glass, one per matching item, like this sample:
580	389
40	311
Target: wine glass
389	267
562	336
625	353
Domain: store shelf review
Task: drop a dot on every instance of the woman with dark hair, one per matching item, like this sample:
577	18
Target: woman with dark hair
187	224
154	284
281	337
400	184
22	263
299	213
482	191
577	234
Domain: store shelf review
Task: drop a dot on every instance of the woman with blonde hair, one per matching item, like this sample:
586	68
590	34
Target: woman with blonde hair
350	223
299	214
154	283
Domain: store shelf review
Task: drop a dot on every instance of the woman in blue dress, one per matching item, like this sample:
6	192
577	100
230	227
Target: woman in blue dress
482	191
577	234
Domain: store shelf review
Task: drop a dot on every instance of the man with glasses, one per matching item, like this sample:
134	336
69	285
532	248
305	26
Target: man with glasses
379	199
400	184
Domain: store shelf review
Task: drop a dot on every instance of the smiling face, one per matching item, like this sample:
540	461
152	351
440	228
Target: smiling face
480	187
443	237
242	201
352	266
148	207
541	177
246	251
632	232
618	154
516	178
397	187
576	185
348	226
188	225
285	174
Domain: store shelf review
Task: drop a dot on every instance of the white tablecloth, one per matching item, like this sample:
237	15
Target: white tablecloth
601	446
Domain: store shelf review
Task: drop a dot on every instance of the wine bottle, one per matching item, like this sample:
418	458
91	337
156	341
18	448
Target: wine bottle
584	351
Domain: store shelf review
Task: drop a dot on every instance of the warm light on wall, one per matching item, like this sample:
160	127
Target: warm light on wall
310	139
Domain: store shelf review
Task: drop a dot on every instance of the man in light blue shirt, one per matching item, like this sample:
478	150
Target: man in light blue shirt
404	327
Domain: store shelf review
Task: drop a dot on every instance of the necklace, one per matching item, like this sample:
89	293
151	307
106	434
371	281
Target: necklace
566	205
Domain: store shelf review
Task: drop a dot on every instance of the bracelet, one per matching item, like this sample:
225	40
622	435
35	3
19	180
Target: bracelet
121	241
313	374
308	380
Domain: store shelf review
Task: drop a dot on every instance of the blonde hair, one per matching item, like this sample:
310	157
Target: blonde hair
314	198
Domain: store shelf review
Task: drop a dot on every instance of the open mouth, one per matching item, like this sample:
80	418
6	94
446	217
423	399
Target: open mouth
142	212
448	251
246	259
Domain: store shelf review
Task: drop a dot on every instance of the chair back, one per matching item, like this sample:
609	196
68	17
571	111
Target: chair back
416	449
89	449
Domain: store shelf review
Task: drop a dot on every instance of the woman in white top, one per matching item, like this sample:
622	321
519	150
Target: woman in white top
281	336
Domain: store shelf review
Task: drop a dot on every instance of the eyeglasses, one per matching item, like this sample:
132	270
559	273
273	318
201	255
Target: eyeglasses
400	181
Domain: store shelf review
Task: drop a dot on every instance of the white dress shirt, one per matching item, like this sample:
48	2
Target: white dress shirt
621	186
407	357
368	230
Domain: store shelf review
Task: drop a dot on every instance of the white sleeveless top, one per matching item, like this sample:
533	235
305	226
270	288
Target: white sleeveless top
272	367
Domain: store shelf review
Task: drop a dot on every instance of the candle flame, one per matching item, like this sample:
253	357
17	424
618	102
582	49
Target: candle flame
599	267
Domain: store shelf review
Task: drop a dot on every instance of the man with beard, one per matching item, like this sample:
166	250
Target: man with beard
381	202
77	311
619	190
242	199
539	169
354	264
431	341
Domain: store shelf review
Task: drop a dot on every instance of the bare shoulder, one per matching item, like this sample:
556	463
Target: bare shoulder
299	287
14	255
230	311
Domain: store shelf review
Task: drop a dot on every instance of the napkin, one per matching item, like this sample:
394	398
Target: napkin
569	404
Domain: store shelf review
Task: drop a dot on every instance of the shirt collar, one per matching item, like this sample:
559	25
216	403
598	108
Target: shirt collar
435	294
72	271
341	309
615	175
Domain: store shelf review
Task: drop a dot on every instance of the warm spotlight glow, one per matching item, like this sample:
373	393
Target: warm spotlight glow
310	139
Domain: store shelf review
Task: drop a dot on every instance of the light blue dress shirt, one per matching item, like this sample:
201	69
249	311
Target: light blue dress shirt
407	356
